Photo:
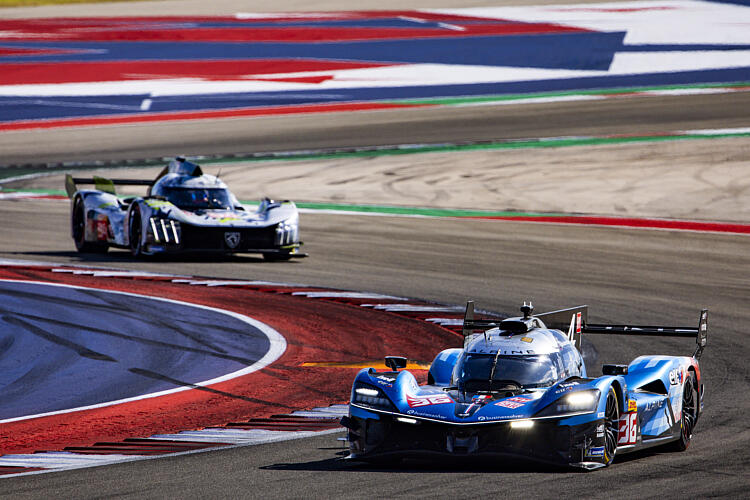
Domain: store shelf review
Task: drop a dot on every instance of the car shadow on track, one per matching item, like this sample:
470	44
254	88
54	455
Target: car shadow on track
443	466
117	256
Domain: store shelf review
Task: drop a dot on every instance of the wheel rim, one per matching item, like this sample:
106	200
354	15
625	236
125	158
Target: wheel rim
612	422
688	409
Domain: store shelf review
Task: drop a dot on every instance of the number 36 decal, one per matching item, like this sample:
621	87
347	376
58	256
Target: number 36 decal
628	429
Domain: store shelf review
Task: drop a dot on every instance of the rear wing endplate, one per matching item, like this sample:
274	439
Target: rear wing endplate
100	183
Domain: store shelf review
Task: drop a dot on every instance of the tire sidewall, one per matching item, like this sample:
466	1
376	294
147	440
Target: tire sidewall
136	248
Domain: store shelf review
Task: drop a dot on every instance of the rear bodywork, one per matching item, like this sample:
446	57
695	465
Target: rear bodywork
566	423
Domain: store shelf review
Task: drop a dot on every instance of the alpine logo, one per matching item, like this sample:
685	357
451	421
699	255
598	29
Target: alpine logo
232	239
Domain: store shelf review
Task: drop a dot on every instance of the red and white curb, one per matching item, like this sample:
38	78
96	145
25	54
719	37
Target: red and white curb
297	424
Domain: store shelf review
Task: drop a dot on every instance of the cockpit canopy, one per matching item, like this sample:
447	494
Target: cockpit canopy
198	198
492	372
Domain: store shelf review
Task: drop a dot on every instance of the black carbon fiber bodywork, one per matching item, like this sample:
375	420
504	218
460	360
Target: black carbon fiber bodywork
195	238
546	442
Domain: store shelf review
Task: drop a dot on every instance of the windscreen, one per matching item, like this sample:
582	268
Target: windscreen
198	198
487	372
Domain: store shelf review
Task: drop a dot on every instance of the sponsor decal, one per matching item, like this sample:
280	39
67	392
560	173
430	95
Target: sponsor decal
102	228
596	451
676	376
654	405
527	339
383	382
477	402
499	417
569	384
565	387
628	429
432	399
232	239
424	414
513	403
578	322
632	405
600	430
600	414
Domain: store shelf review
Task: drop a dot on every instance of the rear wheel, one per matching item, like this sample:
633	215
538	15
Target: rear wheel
78	224
689	414
135	232
611	426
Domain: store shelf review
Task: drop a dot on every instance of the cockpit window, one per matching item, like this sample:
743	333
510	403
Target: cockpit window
198	198
489	372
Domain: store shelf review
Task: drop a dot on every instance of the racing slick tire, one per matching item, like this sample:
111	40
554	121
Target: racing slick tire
689	415
135	231
276	257
78	224
611	426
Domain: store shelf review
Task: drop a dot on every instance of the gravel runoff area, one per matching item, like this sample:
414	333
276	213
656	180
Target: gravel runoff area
682	179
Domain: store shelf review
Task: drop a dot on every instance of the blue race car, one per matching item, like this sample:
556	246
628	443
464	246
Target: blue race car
519	389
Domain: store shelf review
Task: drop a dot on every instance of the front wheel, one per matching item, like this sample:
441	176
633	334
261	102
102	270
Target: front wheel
689	414
611	426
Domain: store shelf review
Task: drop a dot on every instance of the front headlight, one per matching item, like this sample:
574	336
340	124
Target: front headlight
164	230
575	402
287	231
368	395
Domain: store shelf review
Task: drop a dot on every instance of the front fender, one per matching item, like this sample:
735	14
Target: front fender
441	369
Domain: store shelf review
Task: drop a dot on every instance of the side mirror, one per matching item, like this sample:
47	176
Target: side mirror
395	362
614	369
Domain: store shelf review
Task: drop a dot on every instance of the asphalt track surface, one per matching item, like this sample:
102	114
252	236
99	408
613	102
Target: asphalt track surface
643	115
624	275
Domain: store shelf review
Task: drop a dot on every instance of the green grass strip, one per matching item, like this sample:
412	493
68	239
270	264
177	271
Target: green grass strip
418	211
557	142
541	95
372	209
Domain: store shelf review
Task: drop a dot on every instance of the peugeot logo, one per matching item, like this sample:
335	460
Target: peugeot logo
232	239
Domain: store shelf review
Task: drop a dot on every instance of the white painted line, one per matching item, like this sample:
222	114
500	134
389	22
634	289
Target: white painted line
20	195
191	281
250	436
451	27
55	460
315	414
348	295
327	411
412	308
718	131
446	321
112	274
146	104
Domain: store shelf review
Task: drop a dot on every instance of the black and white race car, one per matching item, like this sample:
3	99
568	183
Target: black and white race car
184	210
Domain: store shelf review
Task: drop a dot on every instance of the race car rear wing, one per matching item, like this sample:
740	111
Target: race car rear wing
700	333
574	320
101	183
